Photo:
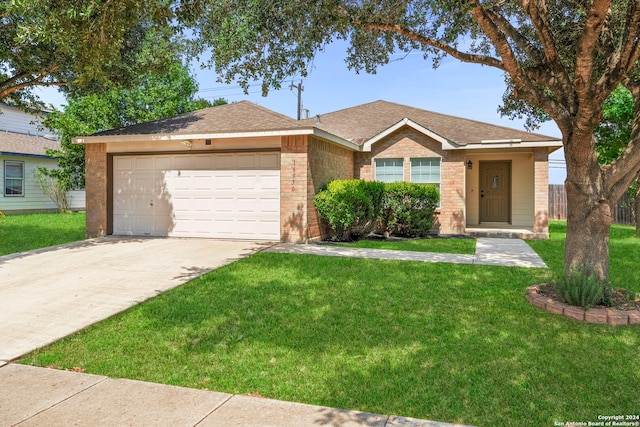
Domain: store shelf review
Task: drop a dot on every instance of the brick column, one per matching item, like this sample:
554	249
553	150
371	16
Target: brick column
293	189
96	188
541	191
452	200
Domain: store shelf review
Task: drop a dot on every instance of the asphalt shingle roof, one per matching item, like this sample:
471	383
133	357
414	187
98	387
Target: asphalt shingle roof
243	116
18	143
363	122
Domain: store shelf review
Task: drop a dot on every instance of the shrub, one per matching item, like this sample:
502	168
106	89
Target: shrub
54	187
582	289
351	207
408	209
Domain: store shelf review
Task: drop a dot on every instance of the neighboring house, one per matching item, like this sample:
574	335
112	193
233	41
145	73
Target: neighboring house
22	150
245	172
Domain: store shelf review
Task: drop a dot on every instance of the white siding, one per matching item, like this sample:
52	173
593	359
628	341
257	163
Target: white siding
77	200
34	198
14	120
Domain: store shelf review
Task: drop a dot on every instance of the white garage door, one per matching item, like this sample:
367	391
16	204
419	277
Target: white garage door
234	195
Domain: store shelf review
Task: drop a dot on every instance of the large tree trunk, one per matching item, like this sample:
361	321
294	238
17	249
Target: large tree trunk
636	207
589	214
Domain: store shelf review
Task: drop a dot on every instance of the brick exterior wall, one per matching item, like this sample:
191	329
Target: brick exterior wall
452	193
405	143
541	188
326	162
293	189
306	164
97	176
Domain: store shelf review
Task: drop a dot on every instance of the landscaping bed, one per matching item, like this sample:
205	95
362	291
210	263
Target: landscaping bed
624	309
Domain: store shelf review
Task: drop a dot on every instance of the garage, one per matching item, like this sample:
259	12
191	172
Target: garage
211	195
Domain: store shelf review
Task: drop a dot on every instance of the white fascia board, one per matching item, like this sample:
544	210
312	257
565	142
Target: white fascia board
528	144
173	137
446	144
182	137
336	139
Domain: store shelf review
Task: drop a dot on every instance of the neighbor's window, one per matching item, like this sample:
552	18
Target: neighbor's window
389	170
13	178
426	170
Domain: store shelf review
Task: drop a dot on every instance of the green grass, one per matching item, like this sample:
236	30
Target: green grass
454	343
20	233
440	245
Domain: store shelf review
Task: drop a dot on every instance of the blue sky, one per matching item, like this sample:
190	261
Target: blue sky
464	90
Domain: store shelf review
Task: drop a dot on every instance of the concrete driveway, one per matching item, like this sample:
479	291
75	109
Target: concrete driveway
50	293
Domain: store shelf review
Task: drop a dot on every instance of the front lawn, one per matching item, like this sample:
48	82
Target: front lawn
19	233
454	343
439	245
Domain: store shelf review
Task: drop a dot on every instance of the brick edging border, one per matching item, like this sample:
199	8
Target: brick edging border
593	315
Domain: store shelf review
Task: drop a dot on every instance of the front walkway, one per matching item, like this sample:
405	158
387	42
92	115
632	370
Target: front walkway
489	251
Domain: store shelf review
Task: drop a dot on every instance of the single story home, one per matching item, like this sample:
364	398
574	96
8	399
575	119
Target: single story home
242	171
23	148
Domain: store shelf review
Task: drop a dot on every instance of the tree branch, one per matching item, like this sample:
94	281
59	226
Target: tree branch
415	36
593	27
520	40
36	81
538	11
627	55
527	84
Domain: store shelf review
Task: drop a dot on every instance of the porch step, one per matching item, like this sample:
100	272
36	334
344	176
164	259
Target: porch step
503	233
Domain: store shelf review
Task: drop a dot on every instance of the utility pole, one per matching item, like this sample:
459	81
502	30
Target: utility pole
300	89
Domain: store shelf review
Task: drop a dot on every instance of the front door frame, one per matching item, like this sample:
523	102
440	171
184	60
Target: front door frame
503	218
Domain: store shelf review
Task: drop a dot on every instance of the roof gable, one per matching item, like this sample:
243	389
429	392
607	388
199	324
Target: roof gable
364	125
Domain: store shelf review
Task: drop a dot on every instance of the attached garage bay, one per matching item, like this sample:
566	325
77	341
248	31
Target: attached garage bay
213	195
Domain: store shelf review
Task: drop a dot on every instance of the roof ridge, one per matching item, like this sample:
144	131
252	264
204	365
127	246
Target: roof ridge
435	113
265	109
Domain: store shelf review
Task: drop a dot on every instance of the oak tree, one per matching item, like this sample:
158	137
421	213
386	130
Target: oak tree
562	59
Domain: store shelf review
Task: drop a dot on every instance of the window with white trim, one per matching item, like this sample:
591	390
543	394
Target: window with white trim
426	170
389	170
13	178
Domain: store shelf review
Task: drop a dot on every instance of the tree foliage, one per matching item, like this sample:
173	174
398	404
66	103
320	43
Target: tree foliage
74	45
562	59
614	133
153	96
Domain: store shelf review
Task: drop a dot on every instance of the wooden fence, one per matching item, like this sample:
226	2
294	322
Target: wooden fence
623	211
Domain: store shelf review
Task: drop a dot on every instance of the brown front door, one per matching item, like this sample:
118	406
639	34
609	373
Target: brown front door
495	191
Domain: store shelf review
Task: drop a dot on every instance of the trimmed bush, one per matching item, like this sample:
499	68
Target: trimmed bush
351	207
408	209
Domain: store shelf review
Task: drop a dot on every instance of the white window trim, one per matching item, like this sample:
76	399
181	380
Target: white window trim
439	182
5	177
375	167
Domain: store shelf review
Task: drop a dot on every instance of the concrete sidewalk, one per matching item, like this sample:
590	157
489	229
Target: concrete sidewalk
31	396
489	251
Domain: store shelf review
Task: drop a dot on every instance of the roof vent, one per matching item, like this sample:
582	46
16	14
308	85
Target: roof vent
318	118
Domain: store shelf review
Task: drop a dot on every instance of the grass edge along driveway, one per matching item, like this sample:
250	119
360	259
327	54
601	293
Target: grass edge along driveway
20	233
454	343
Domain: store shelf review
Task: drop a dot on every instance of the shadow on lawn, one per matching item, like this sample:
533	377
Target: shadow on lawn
457	344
